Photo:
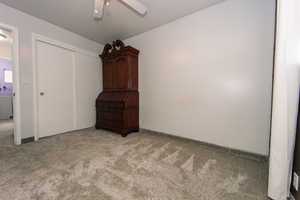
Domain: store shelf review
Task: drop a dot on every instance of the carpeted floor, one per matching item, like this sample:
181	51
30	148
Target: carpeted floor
100	165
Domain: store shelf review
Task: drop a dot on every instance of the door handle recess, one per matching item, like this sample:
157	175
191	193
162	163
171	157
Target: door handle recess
42	93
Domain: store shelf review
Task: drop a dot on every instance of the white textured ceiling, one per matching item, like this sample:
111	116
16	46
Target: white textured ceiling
119	22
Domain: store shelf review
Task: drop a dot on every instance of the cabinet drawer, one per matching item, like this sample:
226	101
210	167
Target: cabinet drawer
110	124
110	105
114	116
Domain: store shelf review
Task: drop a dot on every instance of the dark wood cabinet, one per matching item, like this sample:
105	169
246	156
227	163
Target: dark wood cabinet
117	106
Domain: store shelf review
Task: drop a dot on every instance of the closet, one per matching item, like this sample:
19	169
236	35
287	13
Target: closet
67	84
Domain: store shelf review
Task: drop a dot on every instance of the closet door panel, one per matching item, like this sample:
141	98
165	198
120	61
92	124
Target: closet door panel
55	72
88	86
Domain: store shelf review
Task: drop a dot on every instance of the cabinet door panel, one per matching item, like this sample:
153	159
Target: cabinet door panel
121	73
108	72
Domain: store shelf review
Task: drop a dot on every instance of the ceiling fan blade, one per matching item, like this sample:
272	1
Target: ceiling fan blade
136	5
99	9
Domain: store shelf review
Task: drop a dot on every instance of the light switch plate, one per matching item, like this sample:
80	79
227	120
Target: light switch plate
296	181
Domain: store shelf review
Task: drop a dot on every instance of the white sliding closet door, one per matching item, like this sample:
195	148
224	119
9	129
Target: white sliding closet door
88	86
56	91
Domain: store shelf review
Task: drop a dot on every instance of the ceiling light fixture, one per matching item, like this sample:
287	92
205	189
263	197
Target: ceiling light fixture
136	5
2	36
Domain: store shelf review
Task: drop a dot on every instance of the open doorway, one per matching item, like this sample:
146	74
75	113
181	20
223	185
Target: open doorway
9	87
6	88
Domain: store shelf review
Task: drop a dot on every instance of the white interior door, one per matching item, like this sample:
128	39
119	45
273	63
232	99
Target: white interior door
285	99
56	93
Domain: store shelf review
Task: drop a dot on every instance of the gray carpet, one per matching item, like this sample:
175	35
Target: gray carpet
100	165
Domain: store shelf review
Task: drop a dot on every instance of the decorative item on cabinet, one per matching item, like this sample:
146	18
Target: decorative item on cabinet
117	107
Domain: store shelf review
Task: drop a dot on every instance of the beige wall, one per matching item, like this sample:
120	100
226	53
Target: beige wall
208	76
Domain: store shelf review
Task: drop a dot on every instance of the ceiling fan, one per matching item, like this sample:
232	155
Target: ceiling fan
134	4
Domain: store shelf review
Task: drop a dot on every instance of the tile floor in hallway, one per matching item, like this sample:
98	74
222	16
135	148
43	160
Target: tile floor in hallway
6	132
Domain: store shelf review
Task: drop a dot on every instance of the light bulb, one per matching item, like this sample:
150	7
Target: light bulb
2	37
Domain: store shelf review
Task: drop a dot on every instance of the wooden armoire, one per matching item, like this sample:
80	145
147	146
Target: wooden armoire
117	106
